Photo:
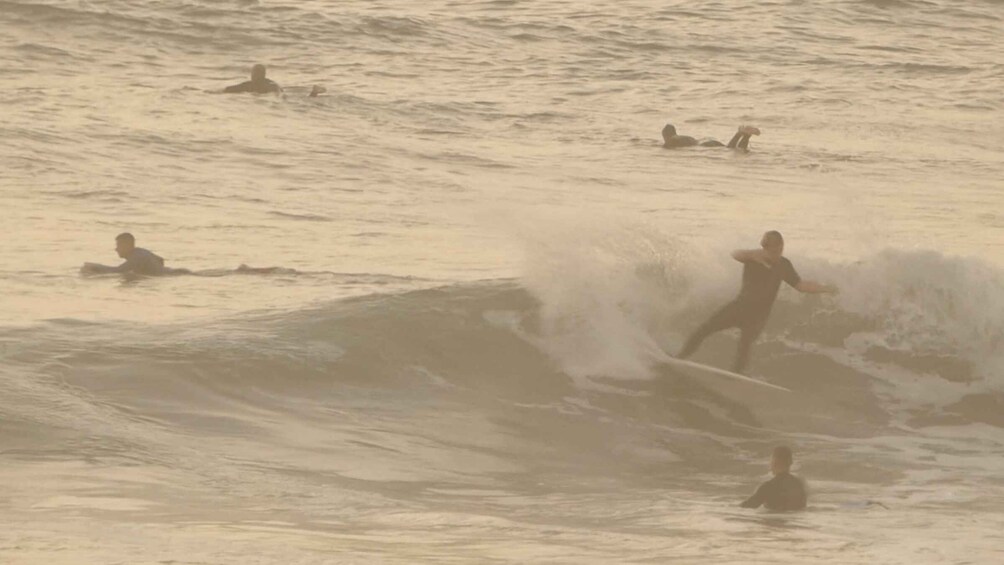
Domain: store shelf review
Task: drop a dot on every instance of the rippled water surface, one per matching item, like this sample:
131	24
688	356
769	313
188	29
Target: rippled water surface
483	246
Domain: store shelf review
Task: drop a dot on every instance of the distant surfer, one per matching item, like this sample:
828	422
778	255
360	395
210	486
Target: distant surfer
141	261
741	140
257	85
137	260
261	85
763	271
783	492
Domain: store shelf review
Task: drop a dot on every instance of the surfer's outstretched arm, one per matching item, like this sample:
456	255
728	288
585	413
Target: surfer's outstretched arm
752	256
813	287
744	255
98	269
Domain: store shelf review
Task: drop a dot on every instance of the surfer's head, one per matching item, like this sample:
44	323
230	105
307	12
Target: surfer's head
258	73
781	459
124	244
668	132
773	244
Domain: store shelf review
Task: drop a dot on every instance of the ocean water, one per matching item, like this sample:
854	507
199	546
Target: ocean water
484	252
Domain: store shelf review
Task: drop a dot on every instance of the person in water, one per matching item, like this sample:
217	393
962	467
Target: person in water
261	85
257	85
763	271
785	491
741	140
144	262
137	260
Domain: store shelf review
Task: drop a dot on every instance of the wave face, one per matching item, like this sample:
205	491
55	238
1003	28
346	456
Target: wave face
472	405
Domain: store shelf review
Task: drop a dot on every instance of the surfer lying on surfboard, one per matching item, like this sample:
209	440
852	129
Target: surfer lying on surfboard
137	260
785	491
741	140
261	85
257	85
763	271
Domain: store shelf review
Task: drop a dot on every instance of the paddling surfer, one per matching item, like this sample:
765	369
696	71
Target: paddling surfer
261	85
763	271
783	492
741	139
257	85
141	261
137	260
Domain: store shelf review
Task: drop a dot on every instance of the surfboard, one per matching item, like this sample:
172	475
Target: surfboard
705	371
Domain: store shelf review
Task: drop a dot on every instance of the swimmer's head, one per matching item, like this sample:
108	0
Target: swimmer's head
773	243
781	460
668	132
258	72
124	244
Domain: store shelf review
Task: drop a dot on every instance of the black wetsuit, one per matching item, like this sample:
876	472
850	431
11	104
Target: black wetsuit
142	262
739	141
264	86
784	492
749	311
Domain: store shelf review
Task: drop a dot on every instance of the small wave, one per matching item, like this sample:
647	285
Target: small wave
104	195
45	50
71	322
887	3
454	157
302	217
975	107
889	48
528	37
930	68
394	26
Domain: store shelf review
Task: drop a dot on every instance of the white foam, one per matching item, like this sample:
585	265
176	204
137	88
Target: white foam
615	294
928	303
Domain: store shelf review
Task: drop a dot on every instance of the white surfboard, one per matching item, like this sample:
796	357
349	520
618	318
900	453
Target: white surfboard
698	369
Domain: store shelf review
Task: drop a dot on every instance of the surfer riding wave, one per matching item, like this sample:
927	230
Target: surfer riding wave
763	271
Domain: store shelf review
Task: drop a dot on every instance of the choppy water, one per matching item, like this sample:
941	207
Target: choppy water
485	250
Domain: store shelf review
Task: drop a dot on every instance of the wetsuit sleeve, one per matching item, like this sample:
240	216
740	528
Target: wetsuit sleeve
758	498
126	267
142	262
98	269
789	275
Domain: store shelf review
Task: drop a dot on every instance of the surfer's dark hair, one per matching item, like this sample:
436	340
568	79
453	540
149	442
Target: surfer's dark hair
782	454
126	236
773	237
